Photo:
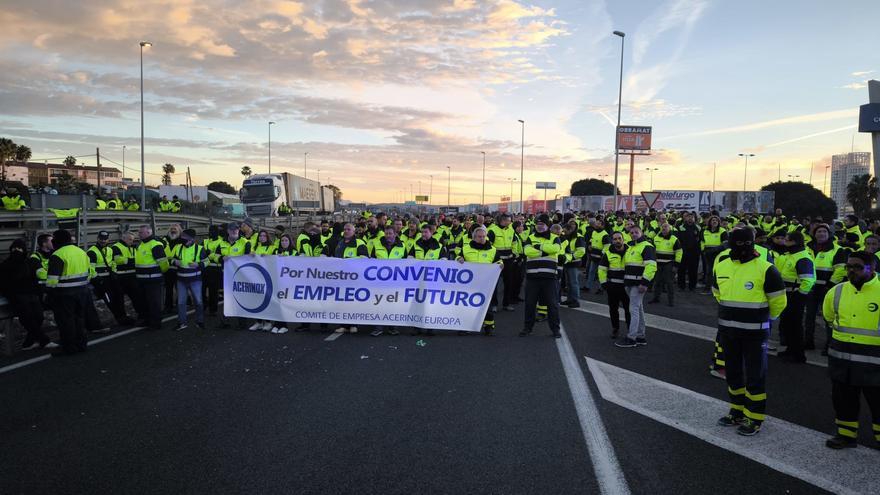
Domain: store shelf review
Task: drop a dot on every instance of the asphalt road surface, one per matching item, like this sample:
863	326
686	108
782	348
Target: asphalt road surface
229	411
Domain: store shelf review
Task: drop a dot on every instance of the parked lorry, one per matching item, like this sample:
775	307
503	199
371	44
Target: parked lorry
263	194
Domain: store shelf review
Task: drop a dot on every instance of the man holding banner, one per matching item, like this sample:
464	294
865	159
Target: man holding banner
479	250
349	246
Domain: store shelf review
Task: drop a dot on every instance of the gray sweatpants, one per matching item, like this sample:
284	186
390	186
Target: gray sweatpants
637	312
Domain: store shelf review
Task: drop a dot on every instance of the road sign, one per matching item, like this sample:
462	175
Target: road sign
650	197
410	203
423	199
545	185
634	139
505	199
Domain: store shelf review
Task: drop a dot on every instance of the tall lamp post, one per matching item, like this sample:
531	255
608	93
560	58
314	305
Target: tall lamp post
449	188
306	164
270	146
522	160
652	176
483	196
431	189
746	168
790	177
619	105
143	180
123	170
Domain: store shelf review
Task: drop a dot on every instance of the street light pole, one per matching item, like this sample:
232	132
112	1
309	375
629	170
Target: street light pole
746	168
619	105
306	164
522	160
270	146
431	189
714	166
652	176
483	196
143	180
449	189
123	170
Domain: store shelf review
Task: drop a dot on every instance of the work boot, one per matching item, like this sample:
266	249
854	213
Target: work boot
749	428
838	442
525	331
730	420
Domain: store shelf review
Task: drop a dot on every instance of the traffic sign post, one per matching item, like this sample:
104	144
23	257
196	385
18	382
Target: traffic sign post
869	121
650	198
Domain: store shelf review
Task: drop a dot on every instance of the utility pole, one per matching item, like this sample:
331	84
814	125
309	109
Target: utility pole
98	161
123	171
483	196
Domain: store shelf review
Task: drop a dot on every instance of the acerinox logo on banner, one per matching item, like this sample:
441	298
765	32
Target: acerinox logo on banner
252	287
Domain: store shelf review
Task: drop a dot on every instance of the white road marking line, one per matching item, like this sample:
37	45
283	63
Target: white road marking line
785	447
609	475
681	327
44	357
333	336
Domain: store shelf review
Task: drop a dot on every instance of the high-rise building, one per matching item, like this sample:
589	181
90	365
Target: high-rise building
843	168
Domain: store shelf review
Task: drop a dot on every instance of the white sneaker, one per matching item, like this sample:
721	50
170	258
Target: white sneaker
281	330
51	345
35	345
341	330
353	330
267	326
274	329
256	326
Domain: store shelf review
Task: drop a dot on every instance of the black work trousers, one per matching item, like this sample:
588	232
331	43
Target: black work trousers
29	309
510	276
545	290
70	307
791	323
690	263
170	278
814	302
745	356
664	281
617	296
107	289
151	301
846	399
213	280
128	285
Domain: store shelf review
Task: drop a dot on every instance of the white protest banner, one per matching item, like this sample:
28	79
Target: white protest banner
360	291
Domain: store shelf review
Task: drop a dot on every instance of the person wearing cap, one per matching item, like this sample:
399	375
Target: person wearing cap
104	281
799	274
750	293
171	241
150	263
175	205
12	200
389	247
851	226
248	231
67	282
669	254
854	352
21	286
542	249
349	246
233	246
190	258
212	277
830	262
132	204
123	257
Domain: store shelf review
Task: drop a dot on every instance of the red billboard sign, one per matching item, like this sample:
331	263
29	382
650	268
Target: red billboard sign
634	139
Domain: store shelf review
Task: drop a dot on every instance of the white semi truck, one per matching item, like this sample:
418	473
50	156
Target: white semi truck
263	194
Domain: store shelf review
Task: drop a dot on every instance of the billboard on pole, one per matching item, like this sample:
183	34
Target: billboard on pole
545	185
634	139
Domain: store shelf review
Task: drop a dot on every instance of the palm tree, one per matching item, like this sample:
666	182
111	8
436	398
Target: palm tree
7	151
70	161
860	192
22	153
167	170
246	171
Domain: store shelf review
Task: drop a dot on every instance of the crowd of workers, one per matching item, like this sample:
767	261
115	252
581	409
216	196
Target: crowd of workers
759	268
11	200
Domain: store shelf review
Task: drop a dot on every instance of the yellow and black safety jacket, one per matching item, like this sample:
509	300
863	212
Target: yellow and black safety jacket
599	240
457	238
542	255
114	204
214	248
351	248
384	251
101	261
123	258
238	247
502	239
68	268
612	267
150	259
797	270
133	206
265	249
13	203
749	294
829	260
191	260
668	249
854	349
712	240
100	205
479	253
39	263
574	248
427	250
640	263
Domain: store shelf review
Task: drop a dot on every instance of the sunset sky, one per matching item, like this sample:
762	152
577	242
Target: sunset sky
385	94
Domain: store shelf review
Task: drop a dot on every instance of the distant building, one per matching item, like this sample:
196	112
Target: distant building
43	174
843	168
17	173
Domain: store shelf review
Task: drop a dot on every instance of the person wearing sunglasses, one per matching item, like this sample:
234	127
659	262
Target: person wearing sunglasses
852	308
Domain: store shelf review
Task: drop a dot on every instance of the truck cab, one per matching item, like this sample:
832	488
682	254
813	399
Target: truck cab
262	195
